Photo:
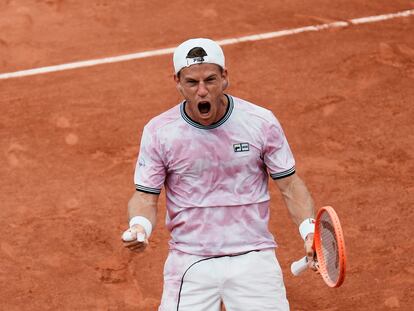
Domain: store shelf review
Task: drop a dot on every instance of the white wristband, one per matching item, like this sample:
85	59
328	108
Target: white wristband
142	221
307	226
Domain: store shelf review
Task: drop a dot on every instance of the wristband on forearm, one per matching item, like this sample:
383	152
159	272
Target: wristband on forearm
307	226
142	221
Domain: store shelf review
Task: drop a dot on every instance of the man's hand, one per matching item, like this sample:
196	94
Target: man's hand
142	215
135	239
310	252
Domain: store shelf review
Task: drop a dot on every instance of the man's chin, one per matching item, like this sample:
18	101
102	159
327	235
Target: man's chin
205	119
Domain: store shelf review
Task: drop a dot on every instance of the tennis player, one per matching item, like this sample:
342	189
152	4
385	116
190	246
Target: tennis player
213	153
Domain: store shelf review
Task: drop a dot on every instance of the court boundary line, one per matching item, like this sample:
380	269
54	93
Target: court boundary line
158	52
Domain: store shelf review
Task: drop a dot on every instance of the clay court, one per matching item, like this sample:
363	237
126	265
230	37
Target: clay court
69	141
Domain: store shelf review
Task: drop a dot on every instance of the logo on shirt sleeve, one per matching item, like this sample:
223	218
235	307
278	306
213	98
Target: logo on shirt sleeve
241	147
141	162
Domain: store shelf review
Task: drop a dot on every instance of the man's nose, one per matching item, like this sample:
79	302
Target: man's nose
202	90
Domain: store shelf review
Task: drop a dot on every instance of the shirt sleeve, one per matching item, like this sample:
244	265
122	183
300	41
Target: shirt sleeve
150	172
277	154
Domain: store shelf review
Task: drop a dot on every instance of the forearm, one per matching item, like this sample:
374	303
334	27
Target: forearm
297	198
143	204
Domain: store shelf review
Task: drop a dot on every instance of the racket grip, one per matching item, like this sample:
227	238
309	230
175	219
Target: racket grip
299	266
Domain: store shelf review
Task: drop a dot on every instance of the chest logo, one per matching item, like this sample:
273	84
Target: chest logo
241	147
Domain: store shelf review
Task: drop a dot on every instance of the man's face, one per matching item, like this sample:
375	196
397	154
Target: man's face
203	86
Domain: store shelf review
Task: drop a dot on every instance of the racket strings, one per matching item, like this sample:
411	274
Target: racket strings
329	245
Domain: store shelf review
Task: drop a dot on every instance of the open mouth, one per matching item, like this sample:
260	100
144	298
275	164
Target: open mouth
204	107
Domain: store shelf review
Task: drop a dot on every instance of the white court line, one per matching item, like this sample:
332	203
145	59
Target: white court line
257	37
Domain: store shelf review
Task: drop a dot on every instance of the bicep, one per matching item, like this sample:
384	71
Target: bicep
297	197
293	188
285	184
142	199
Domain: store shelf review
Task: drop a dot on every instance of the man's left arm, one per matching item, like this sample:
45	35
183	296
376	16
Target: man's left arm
300	204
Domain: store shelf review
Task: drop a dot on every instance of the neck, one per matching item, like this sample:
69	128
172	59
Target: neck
223	107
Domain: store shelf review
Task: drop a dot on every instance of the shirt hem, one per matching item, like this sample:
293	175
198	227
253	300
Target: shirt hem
228	253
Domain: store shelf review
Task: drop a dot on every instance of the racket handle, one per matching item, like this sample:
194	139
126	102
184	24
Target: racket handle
299	266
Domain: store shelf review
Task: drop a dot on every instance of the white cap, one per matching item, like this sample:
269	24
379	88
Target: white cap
214	53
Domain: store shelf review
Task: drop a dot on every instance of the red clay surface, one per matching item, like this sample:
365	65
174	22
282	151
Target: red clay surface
69	142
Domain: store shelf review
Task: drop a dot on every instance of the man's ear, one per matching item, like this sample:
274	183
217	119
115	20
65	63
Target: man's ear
226	82
178	84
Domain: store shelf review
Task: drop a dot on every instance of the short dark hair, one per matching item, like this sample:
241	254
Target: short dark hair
194	53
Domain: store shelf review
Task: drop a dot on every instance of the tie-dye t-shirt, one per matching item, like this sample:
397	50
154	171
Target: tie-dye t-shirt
215	177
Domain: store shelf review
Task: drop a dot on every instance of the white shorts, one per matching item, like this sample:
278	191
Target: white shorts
246	282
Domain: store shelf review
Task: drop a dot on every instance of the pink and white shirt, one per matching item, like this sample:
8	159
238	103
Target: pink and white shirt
215	177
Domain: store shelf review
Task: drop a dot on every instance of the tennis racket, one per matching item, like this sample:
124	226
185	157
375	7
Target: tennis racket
329	246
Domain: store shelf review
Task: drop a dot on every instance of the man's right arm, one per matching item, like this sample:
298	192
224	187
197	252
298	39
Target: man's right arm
143	204
142	207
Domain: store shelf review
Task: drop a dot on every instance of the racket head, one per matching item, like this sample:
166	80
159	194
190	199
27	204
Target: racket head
329	246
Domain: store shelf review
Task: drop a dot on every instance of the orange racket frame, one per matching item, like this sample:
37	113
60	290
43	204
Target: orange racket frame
341	247
301	265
